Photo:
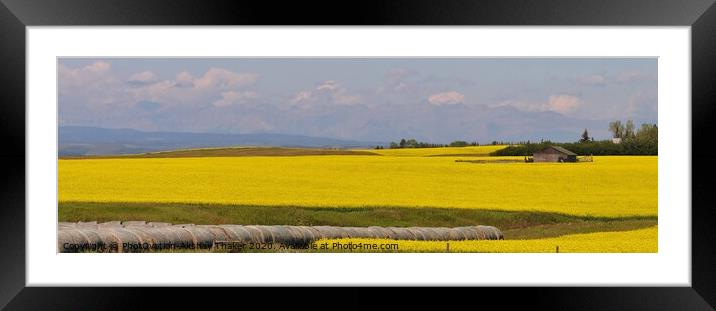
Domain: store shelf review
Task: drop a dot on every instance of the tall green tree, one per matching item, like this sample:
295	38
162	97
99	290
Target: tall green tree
585	136
617	129
629	130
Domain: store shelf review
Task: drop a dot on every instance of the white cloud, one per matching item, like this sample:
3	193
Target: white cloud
301	97
162	91
224	79
186	90
563	103
235	98
446	98
143	77
329	85
99	67
219	99
184	79
89	89
83	76
327	92
95	95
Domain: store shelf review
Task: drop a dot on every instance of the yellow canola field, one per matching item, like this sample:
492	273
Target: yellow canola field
609	186
427	152
635	241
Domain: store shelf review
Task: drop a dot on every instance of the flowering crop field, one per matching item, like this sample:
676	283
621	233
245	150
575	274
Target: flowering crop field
427	152
634	241
611	186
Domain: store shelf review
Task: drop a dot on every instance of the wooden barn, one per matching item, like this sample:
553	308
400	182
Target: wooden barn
554	154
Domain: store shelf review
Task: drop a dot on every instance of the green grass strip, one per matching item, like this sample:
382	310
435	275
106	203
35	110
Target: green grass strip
515	225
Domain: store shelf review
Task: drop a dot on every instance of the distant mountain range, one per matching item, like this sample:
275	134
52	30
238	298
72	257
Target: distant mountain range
82	140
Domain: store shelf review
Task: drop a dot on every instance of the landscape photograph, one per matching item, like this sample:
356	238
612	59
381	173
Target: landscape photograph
357	155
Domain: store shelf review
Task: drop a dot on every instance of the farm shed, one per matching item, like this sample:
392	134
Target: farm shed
554	154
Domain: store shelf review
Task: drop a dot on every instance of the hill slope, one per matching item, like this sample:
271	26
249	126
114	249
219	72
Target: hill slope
80	140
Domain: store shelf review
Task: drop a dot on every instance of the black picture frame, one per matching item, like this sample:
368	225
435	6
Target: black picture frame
700	15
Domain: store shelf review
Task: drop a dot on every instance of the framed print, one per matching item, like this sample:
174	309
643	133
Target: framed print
503	144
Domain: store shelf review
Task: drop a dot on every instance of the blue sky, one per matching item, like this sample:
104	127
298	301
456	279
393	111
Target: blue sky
376	99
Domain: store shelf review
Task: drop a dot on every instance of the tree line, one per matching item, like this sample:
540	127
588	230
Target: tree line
412	143
627	140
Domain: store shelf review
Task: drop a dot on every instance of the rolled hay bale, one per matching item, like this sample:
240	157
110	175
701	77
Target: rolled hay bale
109	240
86	225
481	234
465	233
140	232
86	240
151	236
172	238
367	233
70	240
343	232
238	233
433	234
321	231
298	232
299	236
354	232
128	241
402	234
158	224
272	234
491	233
257	235
333	232
202	236
329	232
158	239
362	232
279	234
180	237
219	233
380	232
139	236
134	223
66	224
438	234
456	234
92	235
419	234
285	235
111	224
309	233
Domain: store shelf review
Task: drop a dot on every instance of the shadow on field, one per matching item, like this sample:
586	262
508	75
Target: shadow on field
514	225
